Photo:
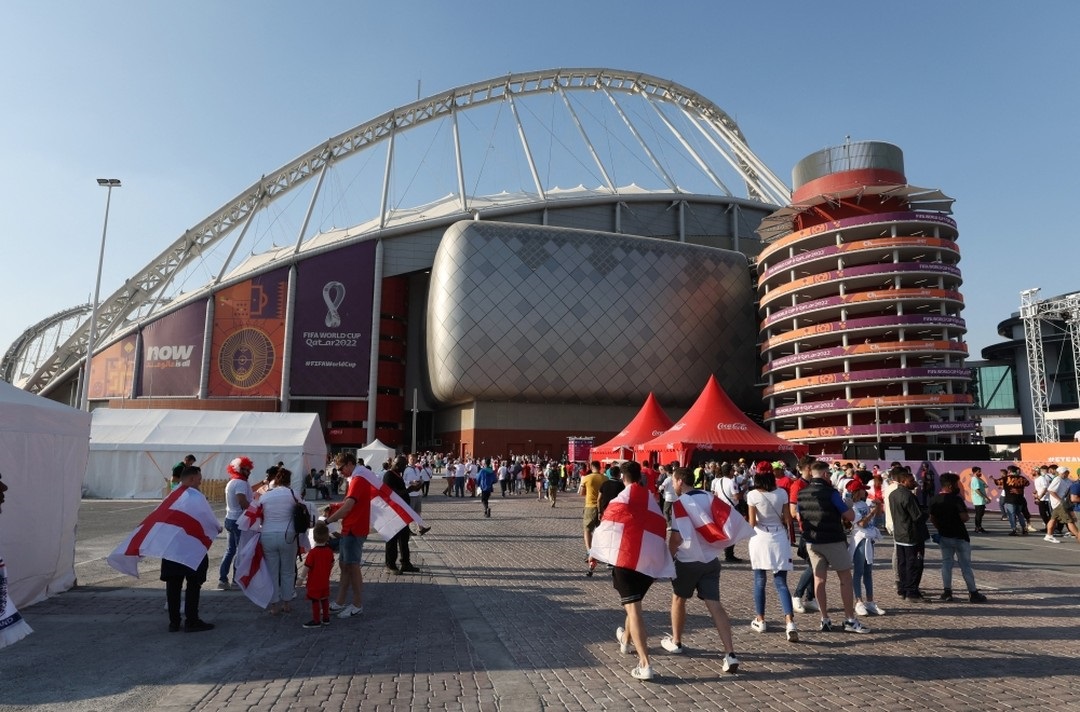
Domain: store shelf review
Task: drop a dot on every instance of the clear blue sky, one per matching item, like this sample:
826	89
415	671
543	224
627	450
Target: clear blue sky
189	103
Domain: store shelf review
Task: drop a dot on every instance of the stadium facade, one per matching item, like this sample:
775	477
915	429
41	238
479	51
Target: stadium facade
587	237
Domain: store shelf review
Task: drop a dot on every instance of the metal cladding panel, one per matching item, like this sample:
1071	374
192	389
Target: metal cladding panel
548	314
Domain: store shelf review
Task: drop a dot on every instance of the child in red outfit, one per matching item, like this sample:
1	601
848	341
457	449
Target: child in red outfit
319	563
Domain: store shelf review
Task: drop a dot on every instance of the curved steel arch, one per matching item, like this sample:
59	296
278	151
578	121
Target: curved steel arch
12	357
148	284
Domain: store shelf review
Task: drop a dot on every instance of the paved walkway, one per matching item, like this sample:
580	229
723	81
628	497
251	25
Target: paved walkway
503	618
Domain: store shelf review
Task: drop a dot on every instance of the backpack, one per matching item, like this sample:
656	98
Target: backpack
301	517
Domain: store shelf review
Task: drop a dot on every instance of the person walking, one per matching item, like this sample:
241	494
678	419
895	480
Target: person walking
949	515
485	482
697	569
770	548
979	497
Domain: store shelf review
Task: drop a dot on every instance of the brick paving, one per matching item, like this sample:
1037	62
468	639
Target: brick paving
503	618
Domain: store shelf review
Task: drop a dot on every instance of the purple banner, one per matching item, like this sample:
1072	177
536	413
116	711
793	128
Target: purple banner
876	348
843	431
863	323
890	295
834	276
912	401
331	348
832	225
172	353
879	243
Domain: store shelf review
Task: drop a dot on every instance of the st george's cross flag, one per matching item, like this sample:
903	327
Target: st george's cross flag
707	525
389	512
633	534
252	574
181	529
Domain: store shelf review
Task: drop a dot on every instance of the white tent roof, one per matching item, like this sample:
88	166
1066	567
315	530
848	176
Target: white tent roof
43	451
132	451
374	454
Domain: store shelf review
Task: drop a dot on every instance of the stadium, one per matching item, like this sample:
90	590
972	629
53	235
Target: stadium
491	269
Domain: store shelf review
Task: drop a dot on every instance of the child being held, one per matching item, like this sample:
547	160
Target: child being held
319	563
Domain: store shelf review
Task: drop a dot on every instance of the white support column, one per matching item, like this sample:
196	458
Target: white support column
588	144
311	207
376	319
239	238
208	338
286	350
525	145
386	181
462	199
644	146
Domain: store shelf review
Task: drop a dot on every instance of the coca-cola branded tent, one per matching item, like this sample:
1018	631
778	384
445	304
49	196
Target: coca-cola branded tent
649	422
715	423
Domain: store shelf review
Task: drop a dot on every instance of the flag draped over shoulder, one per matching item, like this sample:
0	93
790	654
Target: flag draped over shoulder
181	529
707	525
633	535
252	574
389	512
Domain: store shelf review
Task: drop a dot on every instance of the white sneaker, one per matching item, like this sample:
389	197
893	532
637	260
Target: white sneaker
624	640
792	633
872	607
811	606
1052	539
758	626
730	663
336	607
350	610
642	673
860	609
797	604
671	646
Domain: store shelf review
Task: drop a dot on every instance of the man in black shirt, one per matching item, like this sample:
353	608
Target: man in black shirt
948	514
399	542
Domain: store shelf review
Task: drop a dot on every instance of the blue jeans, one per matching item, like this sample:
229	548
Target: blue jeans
961	549
233	529
1015	515
780	583
863	574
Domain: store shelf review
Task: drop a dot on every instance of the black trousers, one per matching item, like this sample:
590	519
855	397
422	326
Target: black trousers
909	566
173	586
398	543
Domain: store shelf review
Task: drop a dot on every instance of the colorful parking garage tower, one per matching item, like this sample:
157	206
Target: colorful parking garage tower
859	299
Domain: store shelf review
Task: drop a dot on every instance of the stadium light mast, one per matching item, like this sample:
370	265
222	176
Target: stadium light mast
109	184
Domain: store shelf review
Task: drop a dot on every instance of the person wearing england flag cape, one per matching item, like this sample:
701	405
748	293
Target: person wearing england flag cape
631	537
180	531
12	626
702	526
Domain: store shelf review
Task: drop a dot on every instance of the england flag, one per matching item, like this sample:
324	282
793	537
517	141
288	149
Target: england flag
707	525
252	575
633	535
389	512
181	529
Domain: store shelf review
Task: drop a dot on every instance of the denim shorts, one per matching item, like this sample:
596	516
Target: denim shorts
351	548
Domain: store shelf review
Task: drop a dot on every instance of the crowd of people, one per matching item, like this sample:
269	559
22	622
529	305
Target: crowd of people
814	516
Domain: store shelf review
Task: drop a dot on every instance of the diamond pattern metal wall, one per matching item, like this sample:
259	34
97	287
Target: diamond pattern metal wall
544	314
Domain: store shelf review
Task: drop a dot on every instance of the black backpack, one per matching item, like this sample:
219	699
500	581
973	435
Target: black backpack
301	517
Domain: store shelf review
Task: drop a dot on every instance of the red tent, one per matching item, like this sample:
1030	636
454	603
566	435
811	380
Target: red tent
650	421
715	423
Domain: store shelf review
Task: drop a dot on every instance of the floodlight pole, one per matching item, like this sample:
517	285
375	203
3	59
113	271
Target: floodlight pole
109	184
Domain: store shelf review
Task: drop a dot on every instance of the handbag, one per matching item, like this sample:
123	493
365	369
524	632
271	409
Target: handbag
301	517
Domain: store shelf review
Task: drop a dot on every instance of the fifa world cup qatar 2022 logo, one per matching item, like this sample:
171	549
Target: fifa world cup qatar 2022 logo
246	358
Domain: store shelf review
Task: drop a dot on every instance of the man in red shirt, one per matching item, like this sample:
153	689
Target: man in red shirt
355	517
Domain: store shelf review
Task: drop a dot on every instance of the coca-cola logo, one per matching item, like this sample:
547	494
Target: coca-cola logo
731	426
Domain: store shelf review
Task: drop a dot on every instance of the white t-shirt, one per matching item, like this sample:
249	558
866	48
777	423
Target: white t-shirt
411	476
667	488
278	505
769	506
232	504
1041	483
726	489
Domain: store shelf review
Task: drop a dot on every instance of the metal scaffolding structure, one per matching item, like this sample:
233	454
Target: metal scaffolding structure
1033	312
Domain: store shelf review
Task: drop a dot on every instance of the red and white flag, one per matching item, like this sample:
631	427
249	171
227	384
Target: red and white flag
633	535
389	512
252	574
181	529
707	525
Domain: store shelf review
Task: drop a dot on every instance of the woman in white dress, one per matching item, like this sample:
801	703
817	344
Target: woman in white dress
12	626
770	548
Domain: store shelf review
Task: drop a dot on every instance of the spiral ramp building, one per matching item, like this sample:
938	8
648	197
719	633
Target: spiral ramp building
859	300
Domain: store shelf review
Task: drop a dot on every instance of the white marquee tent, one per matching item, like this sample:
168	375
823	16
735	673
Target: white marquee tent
43	451
132	452
374	454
